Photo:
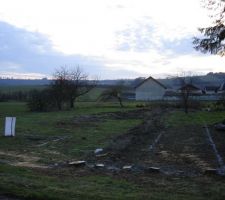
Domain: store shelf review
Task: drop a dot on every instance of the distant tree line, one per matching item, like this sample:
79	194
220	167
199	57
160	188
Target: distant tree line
66	87
14	96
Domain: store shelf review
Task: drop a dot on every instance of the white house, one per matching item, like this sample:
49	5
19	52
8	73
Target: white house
150	89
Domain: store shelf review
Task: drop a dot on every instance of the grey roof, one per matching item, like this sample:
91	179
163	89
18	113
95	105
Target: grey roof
158	82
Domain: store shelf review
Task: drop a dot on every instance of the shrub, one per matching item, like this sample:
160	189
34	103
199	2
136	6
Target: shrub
220	104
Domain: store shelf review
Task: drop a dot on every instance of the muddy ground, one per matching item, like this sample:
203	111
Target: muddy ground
183	151
91	120
165	150
219	140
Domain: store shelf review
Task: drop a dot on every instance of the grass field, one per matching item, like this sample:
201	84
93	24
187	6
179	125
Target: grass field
179	118
44	139
35	129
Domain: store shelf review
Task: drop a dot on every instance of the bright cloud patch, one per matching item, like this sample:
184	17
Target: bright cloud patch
111	39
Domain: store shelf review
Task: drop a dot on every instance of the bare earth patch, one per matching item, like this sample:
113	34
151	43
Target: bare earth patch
22	160
182	150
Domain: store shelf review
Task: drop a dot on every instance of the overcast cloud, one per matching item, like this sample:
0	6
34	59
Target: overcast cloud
110	39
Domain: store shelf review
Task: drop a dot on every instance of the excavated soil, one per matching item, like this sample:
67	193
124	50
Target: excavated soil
181	151
219	140
176	151
170	150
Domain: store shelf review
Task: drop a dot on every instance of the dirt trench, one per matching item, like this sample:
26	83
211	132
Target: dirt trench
134	146
181	151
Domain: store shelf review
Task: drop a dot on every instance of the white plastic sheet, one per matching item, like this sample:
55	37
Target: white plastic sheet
10	125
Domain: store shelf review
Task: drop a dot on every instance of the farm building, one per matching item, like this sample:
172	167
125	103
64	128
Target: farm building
150	89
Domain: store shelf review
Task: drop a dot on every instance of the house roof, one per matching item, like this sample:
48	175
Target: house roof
211	88
191	86
151	78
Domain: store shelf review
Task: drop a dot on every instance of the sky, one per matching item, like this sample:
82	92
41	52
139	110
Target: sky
110	39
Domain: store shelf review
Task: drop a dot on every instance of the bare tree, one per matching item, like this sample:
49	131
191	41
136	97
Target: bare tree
187	91
114	92
69	84
59	86
78	84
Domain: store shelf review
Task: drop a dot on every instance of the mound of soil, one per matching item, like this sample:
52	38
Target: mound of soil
133	114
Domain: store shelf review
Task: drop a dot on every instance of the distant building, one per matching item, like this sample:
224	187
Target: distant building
149	90
192	89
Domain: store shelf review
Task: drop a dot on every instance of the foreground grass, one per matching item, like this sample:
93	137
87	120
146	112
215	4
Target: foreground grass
36	185
35	129
36	132
33	185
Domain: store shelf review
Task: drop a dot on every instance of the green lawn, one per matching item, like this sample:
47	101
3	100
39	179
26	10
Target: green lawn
35	129
33	185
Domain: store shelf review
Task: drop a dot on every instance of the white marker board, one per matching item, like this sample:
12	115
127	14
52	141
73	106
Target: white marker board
10	125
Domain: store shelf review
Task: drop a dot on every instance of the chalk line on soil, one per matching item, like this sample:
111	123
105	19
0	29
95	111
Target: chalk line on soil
152	146
220	161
